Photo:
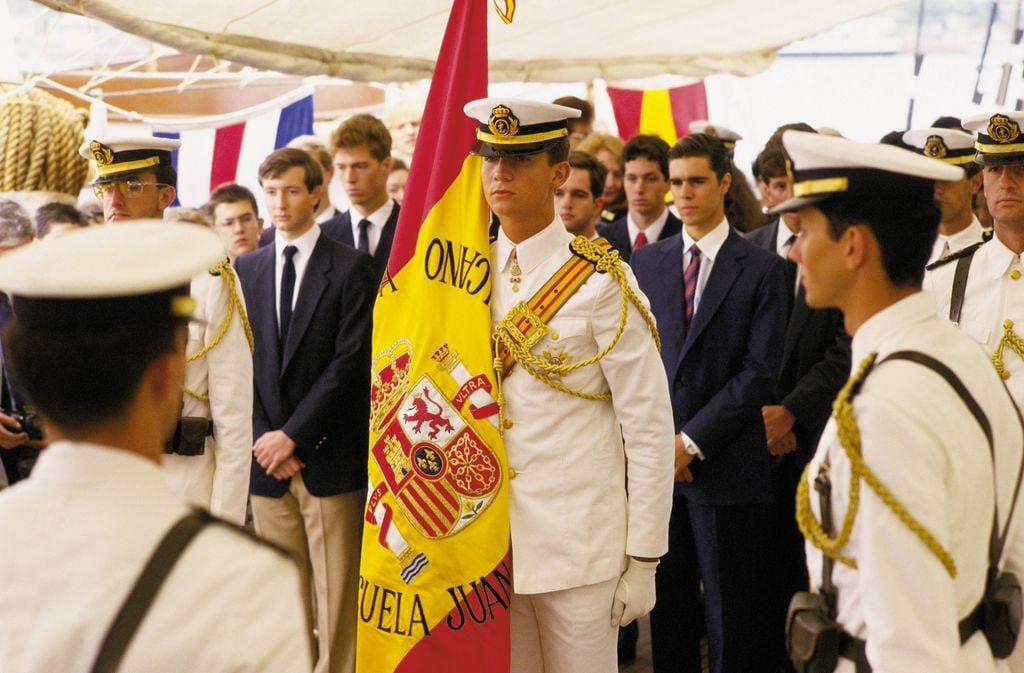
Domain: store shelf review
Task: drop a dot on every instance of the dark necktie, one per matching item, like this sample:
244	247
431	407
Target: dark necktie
690	285
364	236
287	290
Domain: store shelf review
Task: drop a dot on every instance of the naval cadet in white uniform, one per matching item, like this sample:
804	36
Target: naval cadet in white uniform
581	380
958	226
99	349
910	471
209	458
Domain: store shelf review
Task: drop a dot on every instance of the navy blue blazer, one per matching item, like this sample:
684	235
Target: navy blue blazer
725	369
617	233
315	386
815	357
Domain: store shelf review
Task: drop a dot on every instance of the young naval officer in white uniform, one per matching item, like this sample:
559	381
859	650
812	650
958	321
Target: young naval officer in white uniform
868	221
99	349
583	553
136	179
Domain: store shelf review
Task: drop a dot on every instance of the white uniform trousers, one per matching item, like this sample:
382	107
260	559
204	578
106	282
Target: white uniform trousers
567	631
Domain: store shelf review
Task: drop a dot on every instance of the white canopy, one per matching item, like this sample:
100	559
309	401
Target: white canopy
548	40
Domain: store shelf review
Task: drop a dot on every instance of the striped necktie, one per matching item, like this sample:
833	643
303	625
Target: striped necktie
690	285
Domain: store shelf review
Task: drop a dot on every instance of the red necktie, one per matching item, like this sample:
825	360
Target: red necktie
690	285
640	241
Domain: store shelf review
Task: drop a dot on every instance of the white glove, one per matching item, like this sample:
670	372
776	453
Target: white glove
634	595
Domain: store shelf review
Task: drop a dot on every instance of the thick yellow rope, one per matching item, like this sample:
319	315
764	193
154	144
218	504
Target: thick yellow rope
1012	341
227	274
605	261
849	439
40	135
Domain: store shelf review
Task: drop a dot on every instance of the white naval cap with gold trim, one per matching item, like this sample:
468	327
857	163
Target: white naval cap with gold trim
516	126
114	156
132	273
998	137
723	133
823	166
949	145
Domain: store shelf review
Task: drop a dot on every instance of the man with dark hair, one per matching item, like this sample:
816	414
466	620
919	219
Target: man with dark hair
815	363
100	352
233	211
958	227
645	172
898	548
208	458
578	200
584	553
57	218
362	158
978	287
582	126
720	302
315	147
311	301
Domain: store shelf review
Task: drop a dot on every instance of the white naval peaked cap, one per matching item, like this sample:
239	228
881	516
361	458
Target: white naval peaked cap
124	155
998	137
723	133
949	145
517	126
822	166
132	272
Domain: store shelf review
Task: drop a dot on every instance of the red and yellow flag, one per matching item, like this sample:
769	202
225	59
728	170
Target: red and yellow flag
662	112
435	579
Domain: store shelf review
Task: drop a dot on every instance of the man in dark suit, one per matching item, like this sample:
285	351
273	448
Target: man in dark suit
720	304
362	160
310	301
361	147
645	172
815	364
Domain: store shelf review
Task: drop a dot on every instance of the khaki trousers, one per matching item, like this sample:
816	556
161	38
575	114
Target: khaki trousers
325	536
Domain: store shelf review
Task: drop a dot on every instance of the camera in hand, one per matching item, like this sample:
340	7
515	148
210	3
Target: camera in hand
30	423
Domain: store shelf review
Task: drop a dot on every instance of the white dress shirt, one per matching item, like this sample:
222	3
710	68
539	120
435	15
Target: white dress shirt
304	249
377	219
919	439
76	536
653	230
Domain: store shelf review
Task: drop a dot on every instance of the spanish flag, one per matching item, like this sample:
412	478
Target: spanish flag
435	580
661	112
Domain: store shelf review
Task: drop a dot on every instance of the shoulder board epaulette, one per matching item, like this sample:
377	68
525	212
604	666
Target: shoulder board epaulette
986	235
966	252
594	251
607	216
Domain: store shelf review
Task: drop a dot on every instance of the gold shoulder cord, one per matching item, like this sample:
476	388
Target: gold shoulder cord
849	439
227	274
1010	340
604	261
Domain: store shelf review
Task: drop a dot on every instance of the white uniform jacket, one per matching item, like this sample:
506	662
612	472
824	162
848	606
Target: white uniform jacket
218	479
920	440
572	524
76	536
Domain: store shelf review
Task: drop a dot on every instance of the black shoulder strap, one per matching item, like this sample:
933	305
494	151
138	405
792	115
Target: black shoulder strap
956	298
148	584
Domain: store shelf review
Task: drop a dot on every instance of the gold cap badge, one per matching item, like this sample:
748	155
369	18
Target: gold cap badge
710	130
935	147
1002	129
503	122
103	155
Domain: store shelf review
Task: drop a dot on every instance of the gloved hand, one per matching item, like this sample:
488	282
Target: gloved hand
634	595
